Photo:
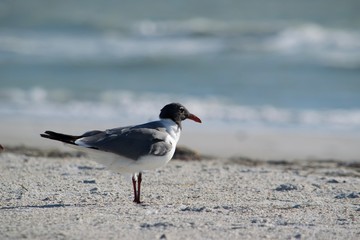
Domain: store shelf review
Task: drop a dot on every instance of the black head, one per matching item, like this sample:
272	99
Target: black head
177	113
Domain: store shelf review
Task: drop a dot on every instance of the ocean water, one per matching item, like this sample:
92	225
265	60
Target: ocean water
271	64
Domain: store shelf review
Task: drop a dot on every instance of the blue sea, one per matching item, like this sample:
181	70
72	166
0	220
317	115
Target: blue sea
271	64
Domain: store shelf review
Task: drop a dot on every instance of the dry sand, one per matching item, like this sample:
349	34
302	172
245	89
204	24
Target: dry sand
70	197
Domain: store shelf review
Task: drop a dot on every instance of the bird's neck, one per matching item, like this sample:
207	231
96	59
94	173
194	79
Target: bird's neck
172	128
178	123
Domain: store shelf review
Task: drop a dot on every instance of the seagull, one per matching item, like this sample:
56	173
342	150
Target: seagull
133	149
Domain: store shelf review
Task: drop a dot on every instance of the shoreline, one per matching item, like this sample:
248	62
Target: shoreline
256	143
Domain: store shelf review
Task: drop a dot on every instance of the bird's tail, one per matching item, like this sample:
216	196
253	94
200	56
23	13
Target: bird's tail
60	137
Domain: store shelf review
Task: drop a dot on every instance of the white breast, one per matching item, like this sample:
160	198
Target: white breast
153	162
174	131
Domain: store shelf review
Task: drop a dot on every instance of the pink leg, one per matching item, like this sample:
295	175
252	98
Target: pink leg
134	186
139	184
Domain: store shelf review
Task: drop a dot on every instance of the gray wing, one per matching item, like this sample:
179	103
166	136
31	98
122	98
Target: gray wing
131	142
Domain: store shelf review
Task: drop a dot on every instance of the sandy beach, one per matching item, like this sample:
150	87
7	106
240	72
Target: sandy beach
64	195
276	87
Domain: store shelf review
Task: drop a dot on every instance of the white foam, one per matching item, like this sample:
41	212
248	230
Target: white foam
125	105
176	39
108	46
330	46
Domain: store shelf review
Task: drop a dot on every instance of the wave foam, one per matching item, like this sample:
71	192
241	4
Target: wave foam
114	105
331	46
174	39
107	47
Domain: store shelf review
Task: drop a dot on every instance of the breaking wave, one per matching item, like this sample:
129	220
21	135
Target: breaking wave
176	39
39	103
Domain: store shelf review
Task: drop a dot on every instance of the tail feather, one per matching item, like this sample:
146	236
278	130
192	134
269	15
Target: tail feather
60	137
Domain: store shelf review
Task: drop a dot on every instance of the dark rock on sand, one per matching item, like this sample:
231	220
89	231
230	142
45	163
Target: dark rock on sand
332	181
89	181
286	187
351	195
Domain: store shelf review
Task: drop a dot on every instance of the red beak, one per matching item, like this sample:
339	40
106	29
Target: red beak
194	118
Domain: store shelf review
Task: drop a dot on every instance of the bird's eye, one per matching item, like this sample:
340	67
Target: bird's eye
182	109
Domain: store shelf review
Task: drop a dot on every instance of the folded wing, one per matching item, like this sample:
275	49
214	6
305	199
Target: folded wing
129	142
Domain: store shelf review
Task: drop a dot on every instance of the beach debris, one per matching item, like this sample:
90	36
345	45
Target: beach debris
37	152
93	190
297	236
222	207
332	181
353	164
286	187
351	195
184	153
89	181
262	222
85	168
235	226
90	168
282	222
163	237
342	221
340	196
56	205
22	186
157	225
246	161
192	209
279	162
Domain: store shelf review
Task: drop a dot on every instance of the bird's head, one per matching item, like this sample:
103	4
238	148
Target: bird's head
177	113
